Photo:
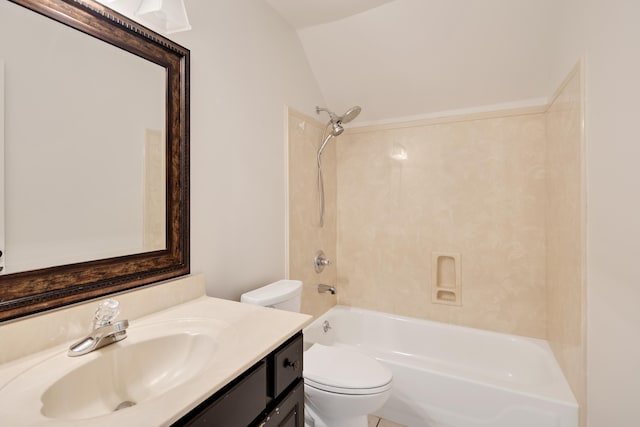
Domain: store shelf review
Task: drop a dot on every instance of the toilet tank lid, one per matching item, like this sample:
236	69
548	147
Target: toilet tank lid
273	293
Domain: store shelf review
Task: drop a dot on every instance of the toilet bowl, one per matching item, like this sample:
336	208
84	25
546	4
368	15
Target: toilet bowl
341	386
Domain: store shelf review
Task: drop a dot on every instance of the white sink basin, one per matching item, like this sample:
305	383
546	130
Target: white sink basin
171	361
128	375
153	359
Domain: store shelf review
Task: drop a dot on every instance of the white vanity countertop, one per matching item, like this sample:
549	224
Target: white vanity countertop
247	334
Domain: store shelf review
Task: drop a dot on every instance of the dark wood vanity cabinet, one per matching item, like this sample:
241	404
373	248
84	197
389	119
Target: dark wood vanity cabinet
269	394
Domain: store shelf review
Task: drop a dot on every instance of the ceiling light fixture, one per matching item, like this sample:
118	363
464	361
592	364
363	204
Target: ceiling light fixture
166	16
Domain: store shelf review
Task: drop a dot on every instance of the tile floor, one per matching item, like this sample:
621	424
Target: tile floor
379	422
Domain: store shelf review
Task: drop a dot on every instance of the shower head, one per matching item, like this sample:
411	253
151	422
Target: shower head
335	123
336	128
351	114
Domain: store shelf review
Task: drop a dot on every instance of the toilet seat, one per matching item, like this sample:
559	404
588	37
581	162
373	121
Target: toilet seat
347	391
344	371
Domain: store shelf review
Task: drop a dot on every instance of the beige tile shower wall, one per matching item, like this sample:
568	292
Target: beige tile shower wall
305	235
474	187
565	215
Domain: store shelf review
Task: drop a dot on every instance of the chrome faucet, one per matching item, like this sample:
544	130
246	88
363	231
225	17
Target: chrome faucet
323	289
104	331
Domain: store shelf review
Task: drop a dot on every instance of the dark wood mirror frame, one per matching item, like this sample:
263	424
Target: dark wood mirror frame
33	291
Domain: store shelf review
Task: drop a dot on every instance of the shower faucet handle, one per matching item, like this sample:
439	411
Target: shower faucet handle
320	262
323	261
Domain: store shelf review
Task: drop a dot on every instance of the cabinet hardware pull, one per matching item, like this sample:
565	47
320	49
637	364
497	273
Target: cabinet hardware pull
289	364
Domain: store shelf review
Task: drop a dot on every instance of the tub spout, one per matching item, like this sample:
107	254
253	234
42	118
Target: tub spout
323	289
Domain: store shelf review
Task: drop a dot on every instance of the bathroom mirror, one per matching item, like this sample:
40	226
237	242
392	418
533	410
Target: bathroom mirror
96	182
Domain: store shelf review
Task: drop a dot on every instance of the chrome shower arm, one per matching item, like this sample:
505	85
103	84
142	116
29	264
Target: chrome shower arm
334	118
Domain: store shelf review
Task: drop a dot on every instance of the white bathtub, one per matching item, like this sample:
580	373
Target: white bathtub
452	376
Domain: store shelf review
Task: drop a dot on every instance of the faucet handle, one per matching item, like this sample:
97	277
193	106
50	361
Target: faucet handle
107	311
320	262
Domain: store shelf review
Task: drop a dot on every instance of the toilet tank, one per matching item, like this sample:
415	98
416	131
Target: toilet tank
283	295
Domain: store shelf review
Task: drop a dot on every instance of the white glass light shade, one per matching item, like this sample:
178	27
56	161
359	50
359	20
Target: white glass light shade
167	16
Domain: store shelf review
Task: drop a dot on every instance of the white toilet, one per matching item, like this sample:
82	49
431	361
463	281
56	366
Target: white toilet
342	386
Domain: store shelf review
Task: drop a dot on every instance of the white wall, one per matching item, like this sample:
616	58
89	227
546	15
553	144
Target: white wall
607	32
246	64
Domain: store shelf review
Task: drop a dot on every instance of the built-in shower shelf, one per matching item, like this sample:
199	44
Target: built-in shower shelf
446	285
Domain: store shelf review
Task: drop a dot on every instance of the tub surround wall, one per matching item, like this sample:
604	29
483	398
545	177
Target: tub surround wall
471	185
565	217
305	235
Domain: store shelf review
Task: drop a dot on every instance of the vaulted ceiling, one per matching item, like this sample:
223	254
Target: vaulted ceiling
404	58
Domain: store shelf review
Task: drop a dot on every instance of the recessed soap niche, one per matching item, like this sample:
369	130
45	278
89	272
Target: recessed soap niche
446	284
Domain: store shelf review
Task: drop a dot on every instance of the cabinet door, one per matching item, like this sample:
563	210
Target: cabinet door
240	403
290	411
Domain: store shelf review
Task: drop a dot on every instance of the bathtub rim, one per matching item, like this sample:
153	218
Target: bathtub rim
557	392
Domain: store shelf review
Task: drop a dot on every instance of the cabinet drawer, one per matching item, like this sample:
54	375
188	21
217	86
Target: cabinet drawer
238	406
287	365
